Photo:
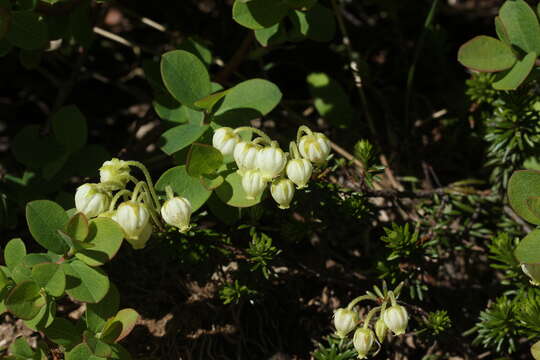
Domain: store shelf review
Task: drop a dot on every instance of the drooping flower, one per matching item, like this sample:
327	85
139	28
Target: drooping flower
396	319
177	212
271	161
315	147
92	200
253	183
345	321
115	172
245	156
299	171
363	340
225	140
282	191
134	219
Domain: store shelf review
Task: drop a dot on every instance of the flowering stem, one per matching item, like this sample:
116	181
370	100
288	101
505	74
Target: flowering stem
169	192
301	130
136	190
254	130
360	298
392	298
293	150
370	315
145	193
117	196
154	214
148	181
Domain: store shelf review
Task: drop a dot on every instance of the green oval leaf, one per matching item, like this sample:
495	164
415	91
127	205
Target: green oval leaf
259	14
82	352
184	185
521	24
44	318
24	300
484	53
77	227
120	326
37	151
44	219
528	250
97	314
106	237
272	35
63	332
181	136
330	99
521	186
318	23
69	127
51	277
185	76
246	101
21	348
85	283
203	159
513	78
14	252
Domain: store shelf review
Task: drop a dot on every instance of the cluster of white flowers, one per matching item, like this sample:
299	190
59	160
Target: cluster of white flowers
261	161
394	318
139	208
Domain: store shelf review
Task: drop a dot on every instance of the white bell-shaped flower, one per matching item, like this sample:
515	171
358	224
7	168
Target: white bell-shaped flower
253	183
315	147
380	329
133	217
225	140
396	319
177	212
299	171
533	272
282	191
271	161
115	172
245	156
91	200
363	340
345	321
139	242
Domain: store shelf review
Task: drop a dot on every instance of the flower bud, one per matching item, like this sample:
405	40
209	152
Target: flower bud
314	147
91	200
114	172
225	140
396	319
253	183
363	340
177	212
345	321
532	271
380	329
245	156
299	171
133	217
282	191
140	241
271	161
